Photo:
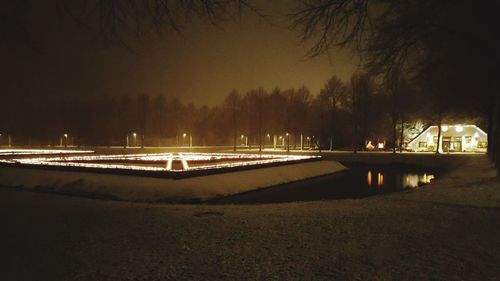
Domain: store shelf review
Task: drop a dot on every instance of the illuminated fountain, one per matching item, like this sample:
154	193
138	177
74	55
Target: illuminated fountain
178	165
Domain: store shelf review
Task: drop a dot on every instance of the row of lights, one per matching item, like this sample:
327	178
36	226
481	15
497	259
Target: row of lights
458	128
73	161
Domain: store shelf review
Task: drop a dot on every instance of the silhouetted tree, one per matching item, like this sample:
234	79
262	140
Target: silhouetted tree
334	95
361	88
143	112
419	35
232	105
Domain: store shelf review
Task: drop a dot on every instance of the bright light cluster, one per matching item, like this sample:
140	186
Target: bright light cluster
161	161
13	152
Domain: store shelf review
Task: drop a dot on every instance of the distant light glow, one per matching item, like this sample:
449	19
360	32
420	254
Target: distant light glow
459	128
444	128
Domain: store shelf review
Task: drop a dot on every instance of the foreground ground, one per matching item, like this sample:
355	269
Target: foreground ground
448	230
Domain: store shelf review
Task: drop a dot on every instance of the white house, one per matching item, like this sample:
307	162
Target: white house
454	138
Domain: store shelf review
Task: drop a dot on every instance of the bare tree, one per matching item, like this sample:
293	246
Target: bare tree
143	109
418	35
232	104
334	95
361	88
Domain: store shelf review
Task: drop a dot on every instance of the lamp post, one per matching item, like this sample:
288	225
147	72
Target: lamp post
135	138
287	142
65	140
268	139
184	139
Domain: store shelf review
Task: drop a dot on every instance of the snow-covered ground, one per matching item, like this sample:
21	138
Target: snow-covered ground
447	230
135	188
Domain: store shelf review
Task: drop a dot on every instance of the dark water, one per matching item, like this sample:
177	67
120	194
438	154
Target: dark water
359	181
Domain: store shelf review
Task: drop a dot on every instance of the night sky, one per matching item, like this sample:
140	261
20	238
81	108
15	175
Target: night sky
201	66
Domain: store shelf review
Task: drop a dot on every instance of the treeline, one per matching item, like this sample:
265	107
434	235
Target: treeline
343	115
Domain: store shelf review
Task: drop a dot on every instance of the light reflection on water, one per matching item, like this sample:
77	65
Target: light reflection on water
407	180
356	182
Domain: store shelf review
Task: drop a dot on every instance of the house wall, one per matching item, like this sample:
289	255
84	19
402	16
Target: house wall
454	138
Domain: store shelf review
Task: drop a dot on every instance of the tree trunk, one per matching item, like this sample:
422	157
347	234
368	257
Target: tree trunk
234	139
394	133
493	129
354	143
496	131
401	140
440	119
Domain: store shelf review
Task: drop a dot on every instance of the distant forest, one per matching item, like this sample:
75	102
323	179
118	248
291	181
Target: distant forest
343	115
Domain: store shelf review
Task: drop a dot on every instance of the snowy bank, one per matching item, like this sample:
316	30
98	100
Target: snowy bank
134	188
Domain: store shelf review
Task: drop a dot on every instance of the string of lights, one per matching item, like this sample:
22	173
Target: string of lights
160	161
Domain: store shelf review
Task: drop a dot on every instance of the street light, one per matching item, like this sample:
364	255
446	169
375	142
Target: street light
245	138
65	140
135	138
287	142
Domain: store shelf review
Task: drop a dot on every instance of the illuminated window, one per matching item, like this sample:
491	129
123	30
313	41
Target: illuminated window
482	144
468	139
422	144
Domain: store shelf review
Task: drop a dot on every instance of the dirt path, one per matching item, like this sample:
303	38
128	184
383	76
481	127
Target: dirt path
448	230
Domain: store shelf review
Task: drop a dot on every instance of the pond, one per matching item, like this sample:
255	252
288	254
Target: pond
356	182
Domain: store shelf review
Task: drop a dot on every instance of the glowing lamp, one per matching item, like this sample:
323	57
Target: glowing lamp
459	128
444	128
